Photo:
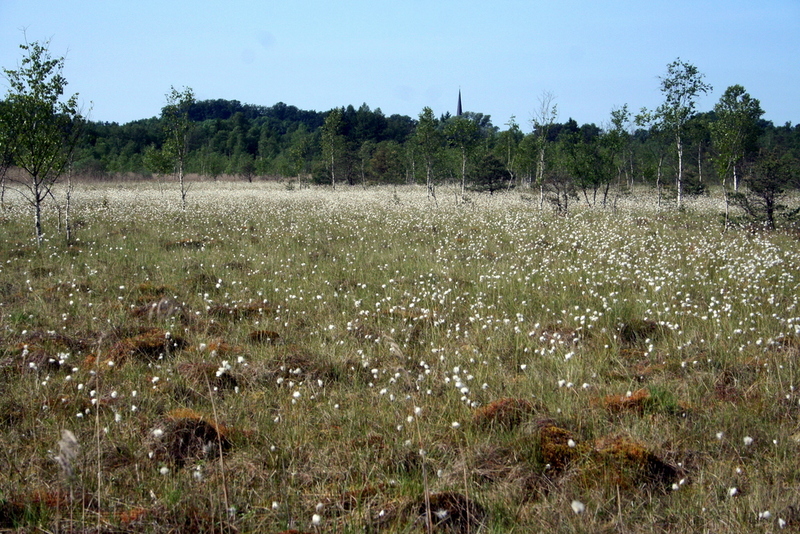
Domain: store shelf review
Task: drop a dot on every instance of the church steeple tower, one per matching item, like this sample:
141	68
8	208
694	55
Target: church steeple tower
458	108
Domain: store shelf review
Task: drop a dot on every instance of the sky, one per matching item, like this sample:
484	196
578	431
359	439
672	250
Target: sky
593	56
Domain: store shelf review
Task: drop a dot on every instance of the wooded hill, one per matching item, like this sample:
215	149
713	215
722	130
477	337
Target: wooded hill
249	141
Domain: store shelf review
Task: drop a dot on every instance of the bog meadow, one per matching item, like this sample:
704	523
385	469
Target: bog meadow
278	358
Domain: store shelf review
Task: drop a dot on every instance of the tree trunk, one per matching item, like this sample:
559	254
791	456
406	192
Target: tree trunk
182	185
3	189
37	215
658	180
769	208
727	201
700	162
630	176
680	173
429	180
67	207
540	168
463	171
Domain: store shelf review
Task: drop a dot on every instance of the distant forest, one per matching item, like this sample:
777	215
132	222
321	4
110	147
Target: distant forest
363	147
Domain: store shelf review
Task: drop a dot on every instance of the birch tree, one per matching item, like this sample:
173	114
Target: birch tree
41	128
332	142
5	153
735	131
178	126
508	149
429	139
543	119
681	87
463	134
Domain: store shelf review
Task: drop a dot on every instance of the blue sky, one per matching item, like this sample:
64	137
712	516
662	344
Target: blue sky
122	56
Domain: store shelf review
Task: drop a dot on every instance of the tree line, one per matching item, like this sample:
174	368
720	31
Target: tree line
674	148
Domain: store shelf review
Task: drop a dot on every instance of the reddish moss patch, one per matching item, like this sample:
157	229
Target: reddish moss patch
633	402
133	515
554	443
620	461
220	347
26	509
505	413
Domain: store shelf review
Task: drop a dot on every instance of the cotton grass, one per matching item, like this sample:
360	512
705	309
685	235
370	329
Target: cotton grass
337	334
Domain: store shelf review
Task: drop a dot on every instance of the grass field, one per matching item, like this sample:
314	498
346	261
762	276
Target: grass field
280	358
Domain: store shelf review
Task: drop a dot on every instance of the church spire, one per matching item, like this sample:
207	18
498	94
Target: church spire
458	108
